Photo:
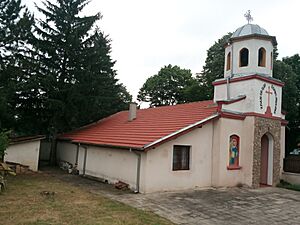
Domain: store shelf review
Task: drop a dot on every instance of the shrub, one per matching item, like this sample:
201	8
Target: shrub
3	143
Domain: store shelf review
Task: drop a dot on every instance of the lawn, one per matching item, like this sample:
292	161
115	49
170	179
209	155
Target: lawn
25	202
284	184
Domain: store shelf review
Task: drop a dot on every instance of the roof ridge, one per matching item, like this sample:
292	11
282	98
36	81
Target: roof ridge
180	104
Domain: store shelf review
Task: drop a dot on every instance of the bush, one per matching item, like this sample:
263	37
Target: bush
3	143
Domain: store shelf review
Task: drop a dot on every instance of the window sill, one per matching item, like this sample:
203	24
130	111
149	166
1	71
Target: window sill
181	170
234	167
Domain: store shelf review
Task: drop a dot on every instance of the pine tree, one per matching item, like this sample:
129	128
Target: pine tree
78	80
16	25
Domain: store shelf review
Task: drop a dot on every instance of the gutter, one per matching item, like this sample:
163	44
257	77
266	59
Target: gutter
212	156
138	170
84	160
165	138
77	154
227	87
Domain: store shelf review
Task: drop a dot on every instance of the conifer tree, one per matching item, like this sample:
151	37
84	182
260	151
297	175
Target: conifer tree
16	25
78	80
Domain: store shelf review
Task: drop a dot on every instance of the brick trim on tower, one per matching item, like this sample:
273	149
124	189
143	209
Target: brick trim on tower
255	76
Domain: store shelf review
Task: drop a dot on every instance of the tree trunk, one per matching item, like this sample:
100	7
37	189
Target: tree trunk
53	150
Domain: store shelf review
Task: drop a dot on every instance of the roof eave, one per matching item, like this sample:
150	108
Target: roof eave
35	138
179	132
107	145
259	36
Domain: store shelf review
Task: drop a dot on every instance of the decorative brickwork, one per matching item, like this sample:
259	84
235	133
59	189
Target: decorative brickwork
263	126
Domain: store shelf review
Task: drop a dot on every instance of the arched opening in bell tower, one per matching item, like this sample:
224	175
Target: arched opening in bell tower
244	57
228	61
262	57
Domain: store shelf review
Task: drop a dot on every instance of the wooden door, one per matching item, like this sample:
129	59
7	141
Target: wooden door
264	160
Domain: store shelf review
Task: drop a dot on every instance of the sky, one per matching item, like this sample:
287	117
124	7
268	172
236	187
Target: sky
147	35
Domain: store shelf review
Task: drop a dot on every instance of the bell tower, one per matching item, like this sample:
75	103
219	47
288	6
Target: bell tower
248	72
249	107
249	51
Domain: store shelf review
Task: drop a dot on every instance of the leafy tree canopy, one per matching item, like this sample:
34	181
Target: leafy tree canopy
285	73
172	85
293	105
213	68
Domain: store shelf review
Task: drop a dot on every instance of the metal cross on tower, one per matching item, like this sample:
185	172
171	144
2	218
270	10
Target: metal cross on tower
248	16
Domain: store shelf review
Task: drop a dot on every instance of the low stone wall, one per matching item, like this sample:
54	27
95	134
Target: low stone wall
293	178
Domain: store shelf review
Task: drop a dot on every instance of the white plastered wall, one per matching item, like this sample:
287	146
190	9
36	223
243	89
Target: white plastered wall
26	153
253	45
156	164
256	96
66	152
224	128
109	164
159	175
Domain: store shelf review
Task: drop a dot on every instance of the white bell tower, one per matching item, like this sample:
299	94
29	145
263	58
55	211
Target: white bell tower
248	73
249	51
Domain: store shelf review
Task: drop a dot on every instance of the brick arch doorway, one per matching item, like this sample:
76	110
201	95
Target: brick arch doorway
266	165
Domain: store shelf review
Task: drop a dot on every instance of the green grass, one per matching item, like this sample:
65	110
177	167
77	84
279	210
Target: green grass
284	184
23	203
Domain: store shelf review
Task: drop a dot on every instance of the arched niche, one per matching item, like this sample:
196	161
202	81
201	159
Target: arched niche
244	57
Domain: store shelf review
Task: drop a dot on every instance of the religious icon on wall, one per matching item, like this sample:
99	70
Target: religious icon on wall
234	151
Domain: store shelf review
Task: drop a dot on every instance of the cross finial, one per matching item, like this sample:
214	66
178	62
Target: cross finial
248	16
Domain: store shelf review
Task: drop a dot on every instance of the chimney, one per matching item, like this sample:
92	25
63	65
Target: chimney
132	111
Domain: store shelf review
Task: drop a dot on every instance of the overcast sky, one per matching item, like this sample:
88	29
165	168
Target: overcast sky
146	35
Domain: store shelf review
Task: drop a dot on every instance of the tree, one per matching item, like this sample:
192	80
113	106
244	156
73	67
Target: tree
213	68
78	83
293	116
284	72
170	86
16	25
294	63
3	144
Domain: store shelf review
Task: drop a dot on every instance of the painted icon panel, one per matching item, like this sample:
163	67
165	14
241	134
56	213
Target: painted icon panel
234	151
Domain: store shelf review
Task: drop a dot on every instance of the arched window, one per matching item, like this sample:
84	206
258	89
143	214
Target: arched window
234	152
244	57
228	65
262	57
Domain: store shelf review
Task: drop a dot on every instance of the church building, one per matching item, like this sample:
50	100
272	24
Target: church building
237	138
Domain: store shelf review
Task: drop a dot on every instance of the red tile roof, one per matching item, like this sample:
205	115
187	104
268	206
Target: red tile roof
151	126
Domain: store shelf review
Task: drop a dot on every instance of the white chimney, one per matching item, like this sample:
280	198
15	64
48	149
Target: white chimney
132	111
